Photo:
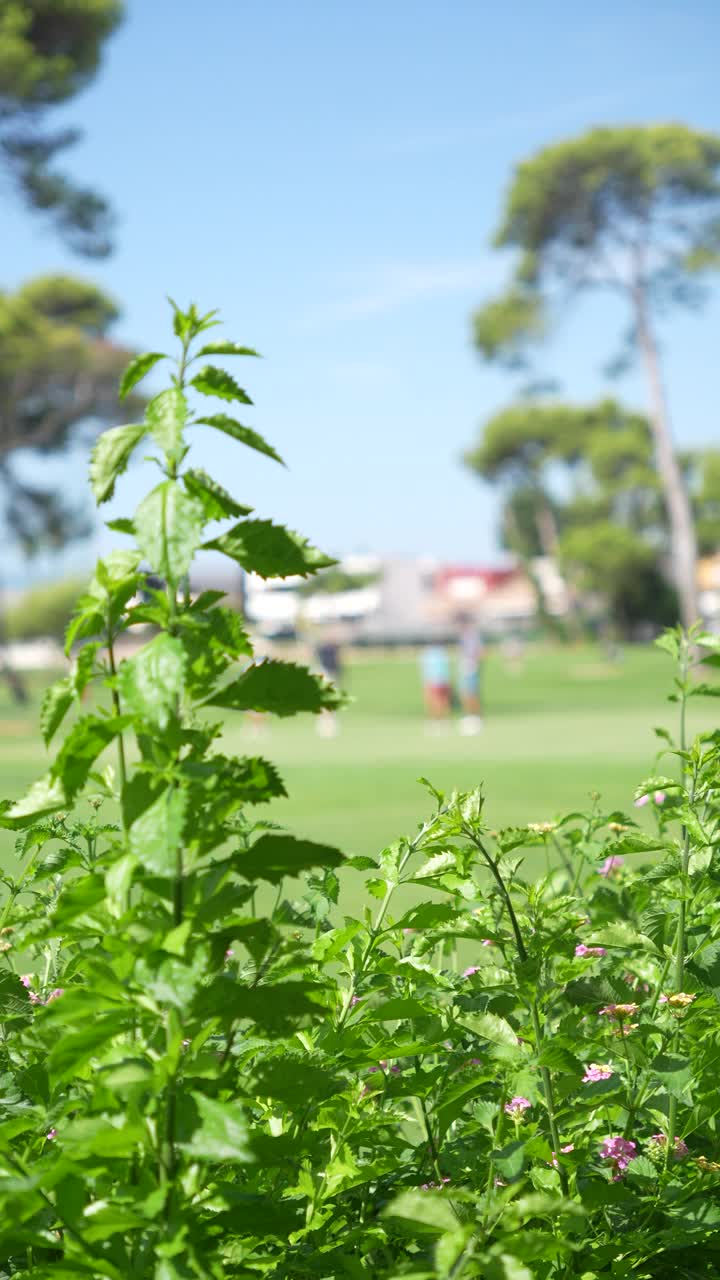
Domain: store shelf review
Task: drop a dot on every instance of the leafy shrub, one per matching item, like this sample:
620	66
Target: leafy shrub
42	611
195	1084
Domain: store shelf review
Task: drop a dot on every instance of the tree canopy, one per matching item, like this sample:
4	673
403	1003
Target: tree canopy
58	378
49	51
579	483
635	209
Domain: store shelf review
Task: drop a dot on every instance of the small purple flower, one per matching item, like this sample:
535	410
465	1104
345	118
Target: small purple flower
229	953
582	950
563	1152
613	863
55	995
487	942
619	1151
26	979
355	1000
51	1135
659	797
597	1071
517	1107
468	973
641	802
658	1142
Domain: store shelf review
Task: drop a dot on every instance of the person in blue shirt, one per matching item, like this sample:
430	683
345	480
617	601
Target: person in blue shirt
471	652
437	690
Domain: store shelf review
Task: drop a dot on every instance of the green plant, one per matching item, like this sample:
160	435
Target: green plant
207	1069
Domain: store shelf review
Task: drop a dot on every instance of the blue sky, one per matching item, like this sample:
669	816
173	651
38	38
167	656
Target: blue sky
329	175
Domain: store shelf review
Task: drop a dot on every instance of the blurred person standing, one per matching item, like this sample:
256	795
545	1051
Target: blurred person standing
436	681
328	658
470	655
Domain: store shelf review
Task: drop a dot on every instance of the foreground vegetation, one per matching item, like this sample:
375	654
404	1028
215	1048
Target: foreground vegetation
196	1087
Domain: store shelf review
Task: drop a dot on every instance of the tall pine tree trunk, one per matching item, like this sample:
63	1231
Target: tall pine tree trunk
683	542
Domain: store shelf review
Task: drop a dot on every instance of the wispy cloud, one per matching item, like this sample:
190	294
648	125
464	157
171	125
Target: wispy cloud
390	285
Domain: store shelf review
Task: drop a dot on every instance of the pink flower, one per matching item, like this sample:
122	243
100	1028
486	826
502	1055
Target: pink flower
582	950
26	979
59	991
51	1135
597	1071
658	1141
618	1010
516	1107
435	1186
468	973
229	953
613	863
563	1152
620	1152
659	797
641	802
354	1000
487	942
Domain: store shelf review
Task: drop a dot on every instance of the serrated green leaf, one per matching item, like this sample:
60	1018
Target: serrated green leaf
156	834
557	1058
122	525
490	1027
509	1160
217	502
166	416
137	369
642	1168
222	1132
211	381
270	550
87	739
273	857
638	842
620	935
221	348
246	435
168	527
56	702
44	797
76	1048
152	682
430	1210
674	1072
110	455
278	687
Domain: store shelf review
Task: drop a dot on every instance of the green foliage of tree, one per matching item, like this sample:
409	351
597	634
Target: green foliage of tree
635	210
42	611
50	50
569	472
59	373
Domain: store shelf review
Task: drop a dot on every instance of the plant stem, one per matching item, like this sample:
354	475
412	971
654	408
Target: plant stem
679	966
379	919
523	956
117	711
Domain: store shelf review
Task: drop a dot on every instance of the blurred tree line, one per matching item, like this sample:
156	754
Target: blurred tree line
59	367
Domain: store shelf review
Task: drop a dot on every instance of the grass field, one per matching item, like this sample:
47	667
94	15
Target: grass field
569	723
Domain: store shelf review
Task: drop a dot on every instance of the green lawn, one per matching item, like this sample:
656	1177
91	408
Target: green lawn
568	724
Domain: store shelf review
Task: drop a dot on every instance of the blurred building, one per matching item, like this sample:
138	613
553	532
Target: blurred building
406	600
709	590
